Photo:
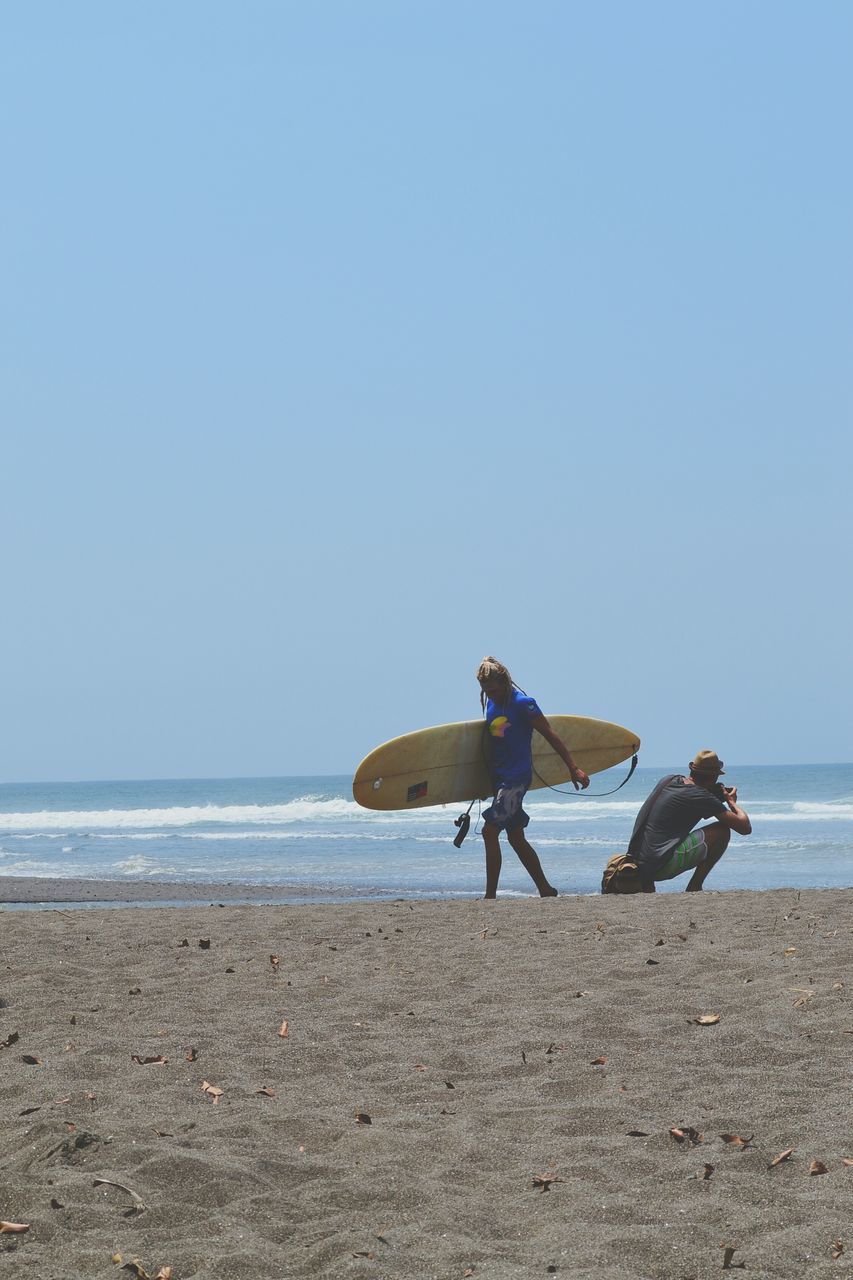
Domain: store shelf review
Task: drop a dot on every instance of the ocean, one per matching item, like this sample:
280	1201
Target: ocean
306	835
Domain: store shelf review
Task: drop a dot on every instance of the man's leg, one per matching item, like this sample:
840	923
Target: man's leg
529	859
491	839
717	838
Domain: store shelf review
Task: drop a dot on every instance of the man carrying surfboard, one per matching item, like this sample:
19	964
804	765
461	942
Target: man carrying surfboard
511	716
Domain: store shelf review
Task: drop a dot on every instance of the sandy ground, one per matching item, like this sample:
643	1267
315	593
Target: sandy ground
430	1089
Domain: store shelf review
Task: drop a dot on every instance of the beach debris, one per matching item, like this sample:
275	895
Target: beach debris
139	1205
661	942
543	1181
28	1111
284	1030
837	1248
638	1133
213	1091
185	942
817	1166
729	1252
11	1039
161	1133
419	1066
165	1273
838	986
735	1140
135	991
845	1160
361	1117
688	1134
56	1204
13	1228
783	1155
274	962
191	1053
448	1084
31	1060
707	1171
152	1060
363	1253
267	1090
707	1019
598	1062
790	951
802	999
653	962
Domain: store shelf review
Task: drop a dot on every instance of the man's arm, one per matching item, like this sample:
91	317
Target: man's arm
736	818
541	725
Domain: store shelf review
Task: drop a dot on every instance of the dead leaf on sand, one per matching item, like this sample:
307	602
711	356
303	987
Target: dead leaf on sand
847	1161
204	943
783	1155
267	1091
728	1253
637	1133
364	1253
13	1228
274	961
191	1053
735	1140
688	1134
837	1248
284	1030
598	1062
707	1019
151	1061
212	1090
361	1117
11	1039
31	1060
817	1166
707	1170
543	1181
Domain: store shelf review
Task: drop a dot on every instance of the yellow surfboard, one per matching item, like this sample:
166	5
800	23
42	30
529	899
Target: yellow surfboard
449	762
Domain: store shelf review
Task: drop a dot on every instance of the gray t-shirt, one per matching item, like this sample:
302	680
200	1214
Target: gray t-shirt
667	817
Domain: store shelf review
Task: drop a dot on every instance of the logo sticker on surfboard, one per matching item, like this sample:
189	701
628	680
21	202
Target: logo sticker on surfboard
417	791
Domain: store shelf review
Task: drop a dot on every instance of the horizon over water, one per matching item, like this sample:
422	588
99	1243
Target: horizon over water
306	834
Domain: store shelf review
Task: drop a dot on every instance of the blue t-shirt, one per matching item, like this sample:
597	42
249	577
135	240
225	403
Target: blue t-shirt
510	730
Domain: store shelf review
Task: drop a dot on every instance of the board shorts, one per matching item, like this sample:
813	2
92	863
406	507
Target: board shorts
685	856
505	811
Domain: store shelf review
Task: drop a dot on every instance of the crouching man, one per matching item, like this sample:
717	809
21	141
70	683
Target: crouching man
664	843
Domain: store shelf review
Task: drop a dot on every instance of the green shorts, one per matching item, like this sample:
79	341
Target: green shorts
685	856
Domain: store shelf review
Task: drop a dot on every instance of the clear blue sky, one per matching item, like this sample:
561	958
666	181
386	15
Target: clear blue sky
344	343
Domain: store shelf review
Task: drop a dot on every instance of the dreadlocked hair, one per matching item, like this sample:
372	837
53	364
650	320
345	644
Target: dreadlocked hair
491	669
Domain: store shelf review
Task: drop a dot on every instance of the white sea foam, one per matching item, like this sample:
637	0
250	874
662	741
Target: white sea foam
46	820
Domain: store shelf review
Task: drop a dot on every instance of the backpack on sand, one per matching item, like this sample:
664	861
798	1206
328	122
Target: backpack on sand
621	875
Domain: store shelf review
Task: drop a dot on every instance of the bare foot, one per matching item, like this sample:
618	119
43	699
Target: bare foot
550	892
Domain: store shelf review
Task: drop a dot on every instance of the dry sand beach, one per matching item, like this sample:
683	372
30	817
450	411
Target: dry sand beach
447	1089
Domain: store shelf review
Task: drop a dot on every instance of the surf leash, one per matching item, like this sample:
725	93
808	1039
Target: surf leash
590	795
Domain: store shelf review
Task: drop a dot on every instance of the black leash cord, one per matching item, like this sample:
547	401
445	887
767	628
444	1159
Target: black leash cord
591	795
